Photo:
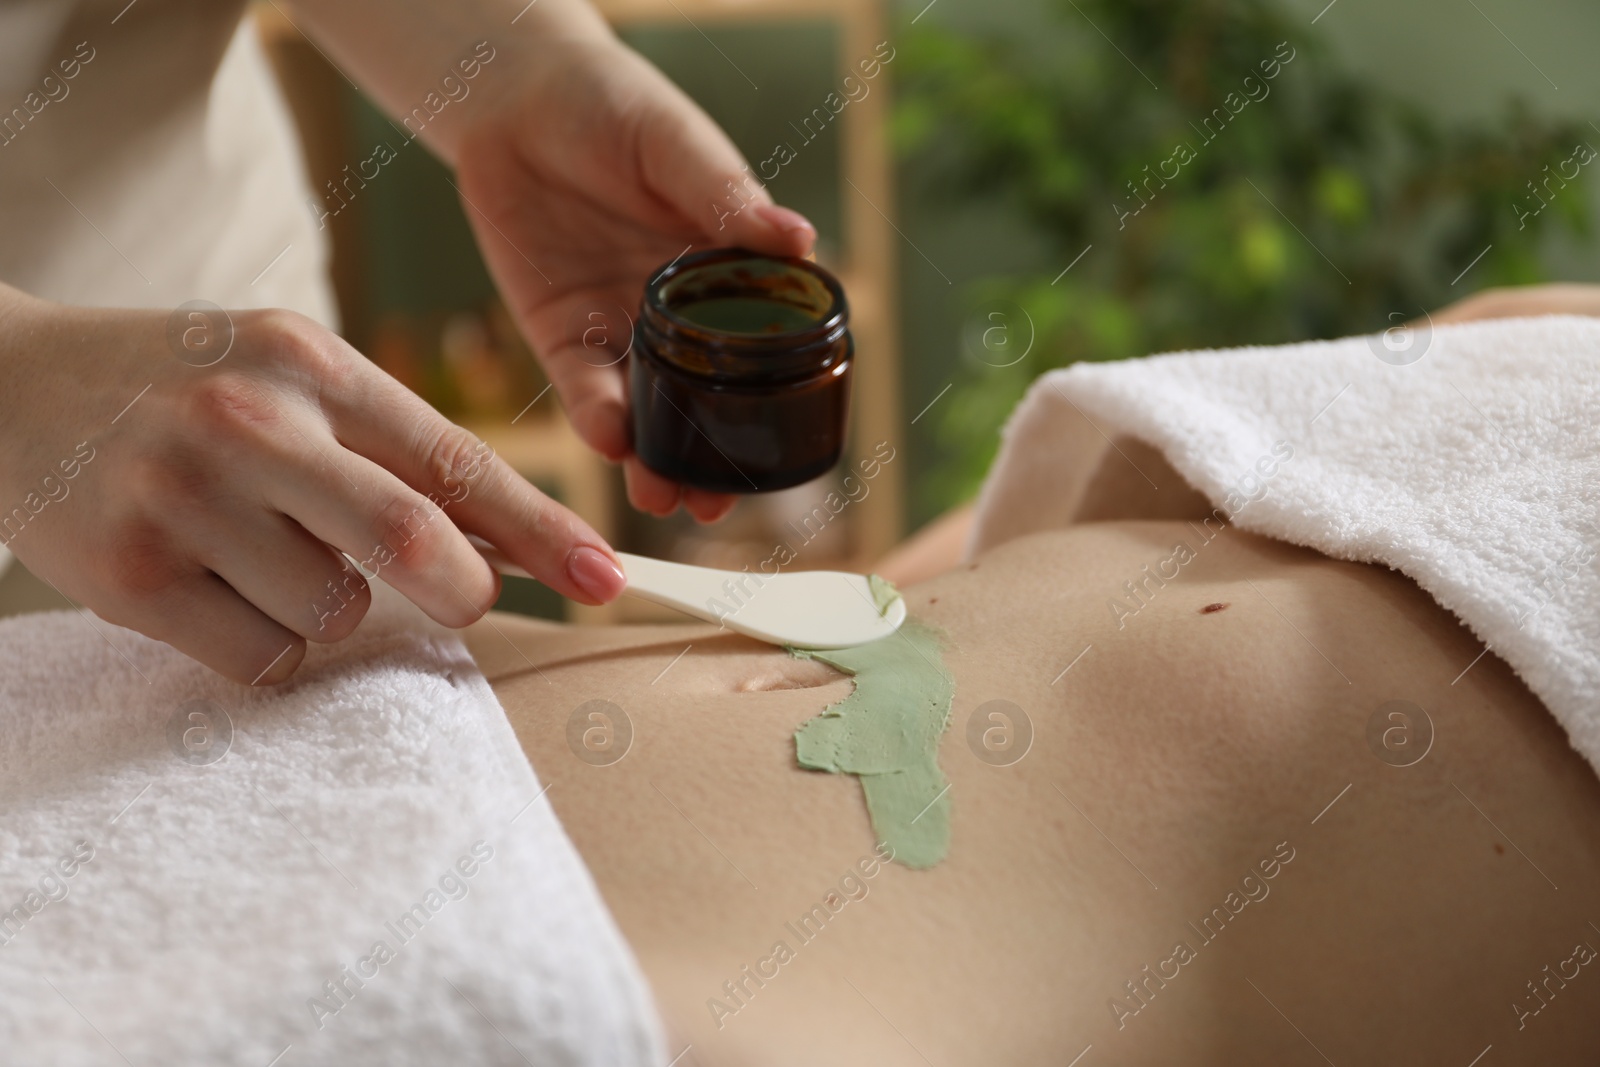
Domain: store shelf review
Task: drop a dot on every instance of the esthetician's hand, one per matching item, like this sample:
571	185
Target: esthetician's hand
203	505
593	172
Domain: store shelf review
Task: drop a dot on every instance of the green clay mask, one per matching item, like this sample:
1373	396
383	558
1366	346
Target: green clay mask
731	314
884	594
886	732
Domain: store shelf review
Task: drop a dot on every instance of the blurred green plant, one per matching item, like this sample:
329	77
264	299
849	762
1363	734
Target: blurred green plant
1075	133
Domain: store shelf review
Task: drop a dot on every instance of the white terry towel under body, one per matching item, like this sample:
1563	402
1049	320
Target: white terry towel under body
157	908
1468	458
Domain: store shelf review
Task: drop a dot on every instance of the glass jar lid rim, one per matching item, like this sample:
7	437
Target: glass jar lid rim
837	311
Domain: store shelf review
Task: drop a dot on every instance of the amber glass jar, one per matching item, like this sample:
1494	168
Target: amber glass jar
740	372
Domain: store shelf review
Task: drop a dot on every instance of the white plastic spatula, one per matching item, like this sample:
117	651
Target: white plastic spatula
805	609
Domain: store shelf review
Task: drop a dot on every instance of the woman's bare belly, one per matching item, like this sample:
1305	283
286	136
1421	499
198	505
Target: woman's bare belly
1181	752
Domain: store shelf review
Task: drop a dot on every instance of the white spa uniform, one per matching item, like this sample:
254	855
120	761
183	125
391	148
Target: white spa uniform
165	169
168	169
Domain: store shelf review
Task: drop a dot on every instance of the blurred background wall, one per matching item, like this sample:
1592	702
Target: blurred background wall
1462	64
1390	152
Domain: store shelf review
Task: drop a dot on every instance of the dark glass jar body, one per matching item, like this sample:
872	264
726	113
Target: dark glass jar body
740	372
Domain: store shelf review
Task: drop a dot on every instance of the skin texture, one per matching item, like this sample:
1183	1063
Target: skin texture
1175	757
929	552
1558	298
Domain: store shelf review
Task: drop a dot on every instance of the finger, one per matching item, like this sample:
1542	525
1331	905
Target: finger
356	506
791	233
648	491
707	506
383	421
593	387
692	165
203	617
295	579
543	538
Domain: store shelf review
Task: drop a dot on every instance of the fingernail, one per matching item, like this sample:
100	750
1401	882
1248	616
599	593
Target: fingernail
786	221
592	571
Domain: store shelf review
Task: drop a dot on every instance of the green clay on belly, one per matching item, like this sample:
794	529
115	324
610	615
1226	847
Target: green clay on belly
884	594
886	733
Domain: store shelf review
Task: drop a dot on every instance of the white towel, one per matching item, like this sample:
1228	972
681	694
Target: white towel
1466	457
174	911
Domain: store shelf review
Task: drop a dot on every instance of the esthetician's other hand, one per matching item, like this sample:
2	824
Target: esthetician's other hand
581	168
203	505
594	172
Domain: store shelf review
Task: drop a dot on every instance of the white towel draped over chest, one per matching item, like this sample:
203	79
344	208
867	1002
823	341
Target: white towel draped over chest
1469	461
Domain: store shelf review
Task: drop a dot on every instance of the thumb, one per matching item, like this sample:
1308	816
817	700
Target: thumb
693	166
